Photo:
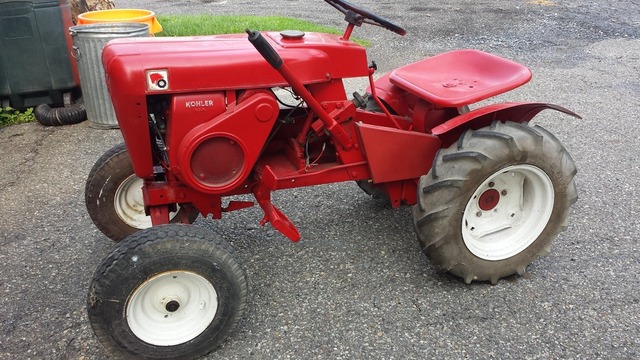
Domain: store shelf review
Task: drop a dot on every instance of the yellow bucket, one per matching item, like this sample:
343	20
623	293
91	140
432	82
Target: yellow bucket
121	15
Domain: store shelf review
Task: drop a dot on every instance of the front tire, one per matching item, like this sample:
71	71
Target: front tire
169	292
374	191
113	197
494	201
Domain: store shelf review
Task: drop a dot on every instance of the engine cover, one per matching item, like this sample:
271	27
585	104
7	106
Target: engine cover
218	155
217	161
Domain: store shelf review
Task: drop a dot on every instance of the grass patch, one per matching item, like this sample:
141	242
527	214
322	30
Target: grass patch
10	116
195	25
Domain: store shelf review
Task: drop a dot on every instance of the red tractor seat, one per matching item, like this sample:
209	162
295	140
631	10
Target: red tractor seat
461	77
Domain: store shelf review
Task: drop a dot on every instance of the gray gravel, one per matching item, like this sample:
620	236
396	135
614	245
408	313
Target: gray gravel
357	286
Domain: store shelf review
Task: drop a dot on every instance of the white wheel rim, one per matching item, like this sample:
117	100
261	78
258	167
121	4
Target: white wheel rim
171	308
129	204
508	212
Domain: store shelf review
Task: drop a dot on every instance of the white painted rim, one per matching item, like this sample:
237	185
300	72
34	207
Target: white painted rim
521	213
129	204
151	317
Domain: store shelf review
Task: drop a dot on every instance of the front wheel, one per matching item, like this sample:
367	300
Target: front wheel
113	197
494	201
169	292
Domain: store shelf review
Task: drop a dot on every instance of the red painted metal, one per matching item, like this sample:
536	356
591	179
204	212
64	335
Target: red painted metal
379	102
330	124
201	122
209	63
159	214
461	77
394	154
224	62
273	215
347	32
489	200
192	110
395	98
449	131
218	155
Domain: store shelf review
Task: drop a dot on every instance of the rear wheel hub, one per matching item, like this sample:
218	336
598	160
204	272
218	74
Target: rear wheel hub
489	200
507	212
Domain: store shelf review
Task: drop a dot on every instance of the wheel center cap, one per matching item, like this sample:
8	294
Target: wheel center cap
172	306
489	200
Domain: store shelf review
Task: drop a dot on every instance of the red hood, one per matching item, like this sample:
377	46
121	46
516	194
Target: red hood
228	61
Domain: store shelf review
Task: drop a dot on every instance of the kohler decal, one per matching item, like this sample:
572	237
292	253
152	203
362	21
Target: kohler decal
198	103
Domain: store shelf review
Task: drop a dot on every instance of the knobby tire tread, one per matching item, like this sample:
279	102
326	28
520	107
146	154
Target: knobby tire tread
445	190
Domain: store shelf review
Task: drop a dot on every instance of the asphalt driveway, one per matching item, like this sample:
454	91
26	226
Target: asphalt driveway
356	286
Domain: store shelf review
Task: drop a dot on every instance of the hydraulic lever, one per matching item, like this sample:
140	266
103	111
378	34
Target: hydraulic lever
273	58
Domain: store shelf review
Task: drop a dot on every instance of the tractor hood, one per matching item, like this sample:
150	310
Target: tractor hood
205	63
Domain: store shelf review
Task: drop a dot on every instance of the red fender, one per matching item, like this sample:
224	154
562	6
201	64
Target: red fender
451	130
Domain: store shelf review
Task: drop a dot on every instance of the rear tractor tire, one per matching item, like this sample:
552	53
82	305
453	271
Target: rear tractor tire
494	201
167	292
113	197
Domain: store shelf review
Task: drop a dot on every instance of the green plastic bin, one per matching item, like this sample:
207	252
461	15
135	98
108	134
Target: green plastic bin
35	53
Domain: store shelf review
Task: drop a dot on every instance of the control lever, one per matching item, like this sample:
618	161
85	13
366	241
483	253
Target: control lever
265	49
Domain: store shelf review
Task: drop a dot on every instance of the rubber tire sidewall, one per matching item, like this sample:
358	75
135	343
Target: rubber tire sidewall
157	250
109	171
443	198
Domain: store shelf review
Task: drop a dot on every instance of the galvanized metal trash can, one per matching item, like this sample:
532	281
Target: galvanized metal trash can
88	41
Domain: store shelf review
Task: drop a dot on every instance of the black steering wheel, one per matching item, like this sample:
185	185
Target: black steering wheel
364	16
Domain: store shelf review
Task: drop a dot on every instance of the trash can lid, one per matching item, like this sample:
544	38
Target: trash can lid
121	15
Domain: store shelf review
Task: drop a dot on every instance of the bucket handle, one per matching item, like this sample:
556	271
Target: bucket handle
75	53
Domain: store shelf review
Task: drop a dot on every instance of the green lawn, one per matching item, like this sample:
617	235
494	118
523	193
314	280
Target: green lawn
192	25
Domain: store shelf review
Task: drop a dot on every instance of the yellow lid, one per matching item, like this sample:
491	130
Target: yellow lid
121	15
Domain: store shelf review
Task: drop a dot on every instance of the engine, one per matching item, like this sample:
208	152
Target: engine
214	141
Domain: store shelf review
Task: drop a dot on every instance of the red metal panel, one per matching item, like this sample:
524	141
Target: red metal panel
395	154
460	77
231	62
398	99
451	130
127	90
245	130
189	111
277	173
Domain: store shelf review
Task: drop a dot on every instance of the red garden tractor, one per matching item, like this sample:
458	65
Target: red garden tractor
207	118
